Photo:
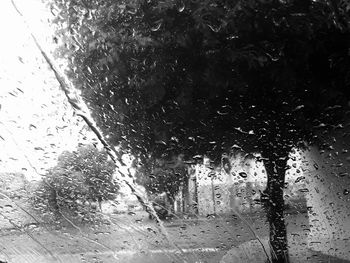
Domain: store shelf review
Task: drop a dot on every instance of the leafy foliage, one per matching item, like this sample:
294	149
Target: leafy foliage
160	176
79	179
162	76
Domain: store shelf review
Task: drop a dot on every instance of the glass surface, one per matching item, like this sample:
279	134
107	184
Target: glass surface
174	131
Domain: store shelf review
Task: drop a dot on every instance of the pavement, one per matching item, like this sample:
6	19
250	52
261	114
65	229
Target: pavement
126	239
259	252
134	238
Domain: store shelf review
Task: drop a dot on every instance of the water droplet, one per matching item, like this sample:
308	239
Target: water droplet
214	28
243	175
211	174
343	174
299	179
149	229
20	59
157	25
132	11
181	6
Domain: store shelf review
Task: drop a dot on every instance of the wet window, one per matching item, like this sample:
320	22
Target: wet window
174	131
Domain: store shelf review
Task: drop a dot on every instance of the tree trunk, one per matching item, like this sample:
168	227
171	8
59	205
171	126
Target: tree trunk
170	201
53	204
276	168
99	200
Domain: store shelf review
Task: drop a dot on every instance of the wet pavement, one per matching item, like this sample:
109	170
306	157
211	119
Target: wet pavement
137	239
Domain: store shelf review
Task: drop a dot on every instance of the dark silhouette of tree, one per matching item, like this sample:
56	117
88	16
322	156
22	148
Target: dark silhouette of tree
196	77
163	176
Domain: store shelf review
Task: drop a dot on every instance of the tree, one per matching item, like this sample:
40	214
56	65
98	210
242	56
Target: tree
79	178
163	176
189	77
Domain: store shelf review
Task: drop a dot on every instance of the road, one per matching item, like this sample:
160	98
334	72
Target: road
135	238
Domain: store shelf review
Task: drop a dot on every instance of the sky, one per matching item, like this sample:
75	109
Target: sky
36	121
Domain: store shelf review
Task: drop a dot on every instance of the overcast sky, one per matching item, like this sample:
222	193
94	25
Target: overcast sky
36	122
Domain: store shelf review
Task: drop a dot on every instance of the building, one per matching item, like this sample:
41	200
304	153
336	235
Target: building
234	186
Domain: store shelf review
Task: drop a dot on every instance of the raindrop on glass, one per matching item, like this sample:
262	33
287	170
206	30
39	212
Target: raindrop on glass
157	25
243	175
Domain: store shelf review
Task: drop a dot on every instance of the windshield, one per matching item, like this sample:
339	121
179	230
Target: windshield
174	131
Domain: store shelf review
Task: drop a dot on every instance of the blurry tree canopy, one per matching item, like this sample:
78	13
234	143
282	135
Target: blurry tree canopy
163	176
196	77
79	179
173	77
